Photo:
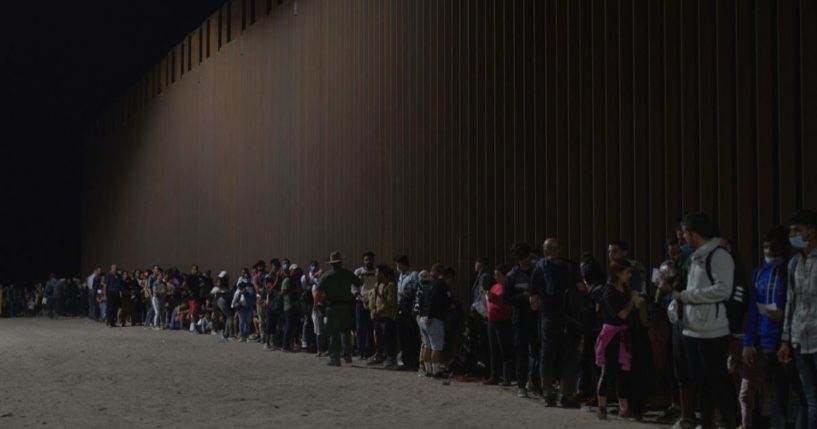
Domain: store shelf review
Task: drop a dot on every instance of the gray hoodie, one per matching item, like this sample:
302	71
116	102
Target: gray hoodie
704	309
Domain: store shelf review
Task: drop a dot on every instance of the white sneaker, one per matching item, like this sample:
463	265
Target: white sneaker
685	424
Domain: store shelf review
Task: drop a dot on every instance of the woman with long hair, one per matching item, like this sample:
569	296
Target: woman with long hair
613	354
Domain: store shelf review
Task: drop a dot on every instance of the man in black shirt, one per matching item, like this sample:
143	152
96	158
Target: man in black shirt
517	294
195	283
556	282
112	288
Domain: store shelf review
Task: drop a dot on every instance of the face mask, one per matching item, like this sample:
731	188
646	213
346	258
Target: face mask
686	249
770	260
797	242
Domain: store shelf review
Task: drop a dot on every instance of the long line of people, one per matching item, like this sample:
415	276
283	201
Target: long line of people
694	338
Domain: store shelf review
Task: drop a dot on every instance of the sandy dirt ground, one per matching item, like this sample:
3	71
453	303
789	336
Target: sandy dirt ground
74	373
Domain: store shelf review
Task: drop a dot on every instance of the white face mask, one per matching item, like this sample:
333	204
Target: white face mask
797	242
771	260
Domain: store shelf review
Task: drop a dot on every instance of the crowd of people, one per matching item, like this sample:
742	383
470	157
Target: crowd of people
63	297
695	338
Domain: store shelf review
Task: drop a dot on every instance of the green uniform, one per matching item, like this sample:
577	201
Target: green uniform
337	285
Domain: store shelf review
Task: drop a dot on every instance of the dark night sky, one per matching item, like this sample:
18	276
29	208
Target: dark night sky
61	63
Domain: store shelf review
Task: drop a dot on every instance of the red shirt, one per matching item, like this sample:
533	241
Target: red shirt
498	311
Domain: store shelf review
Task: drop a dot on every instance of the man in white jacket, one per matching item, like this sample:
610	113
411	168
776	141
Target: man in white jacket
705	323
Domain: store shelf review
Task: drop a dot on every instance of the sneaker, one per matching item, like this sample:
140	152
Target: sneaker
333	362
347	359
550	401
669	415
505	383
522	392
375	361
625	414
684	424
601	413
390	364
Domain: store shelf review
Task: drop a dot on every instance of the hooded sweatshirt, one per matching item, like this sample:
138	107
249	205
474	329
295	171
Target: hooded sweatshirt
704	309
770	288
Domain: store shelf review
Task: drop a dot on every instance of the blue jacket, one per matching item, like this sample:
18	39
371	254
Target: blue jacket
769	287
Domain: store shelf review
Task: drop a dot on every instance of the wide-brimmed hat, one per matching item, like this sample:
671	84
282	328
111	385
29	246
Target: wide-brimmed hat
335	258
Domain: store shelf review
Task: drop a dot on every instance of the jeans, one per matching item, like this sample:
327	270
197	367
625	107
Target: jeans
526	347
707	370
150	314
50	304
560	356
114	303
409	337
364	331
261	311
290	321
385	338
500	343
244	321
271	326
92	310
807	364
767	377
160	316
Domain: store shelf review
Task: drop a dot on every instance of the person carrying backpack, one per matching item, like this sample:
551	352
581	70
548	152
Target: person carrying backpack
555	286
705	321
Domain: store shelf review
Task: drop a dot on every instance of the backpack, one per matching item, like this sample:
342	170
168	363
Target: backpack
737	305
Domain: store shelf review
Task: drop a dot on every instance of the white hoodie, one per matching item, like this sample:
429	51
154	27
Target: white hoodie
704	312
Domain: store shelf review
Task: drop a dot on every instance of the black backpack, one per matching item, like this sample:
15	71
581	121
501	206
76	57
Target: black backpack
737	305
